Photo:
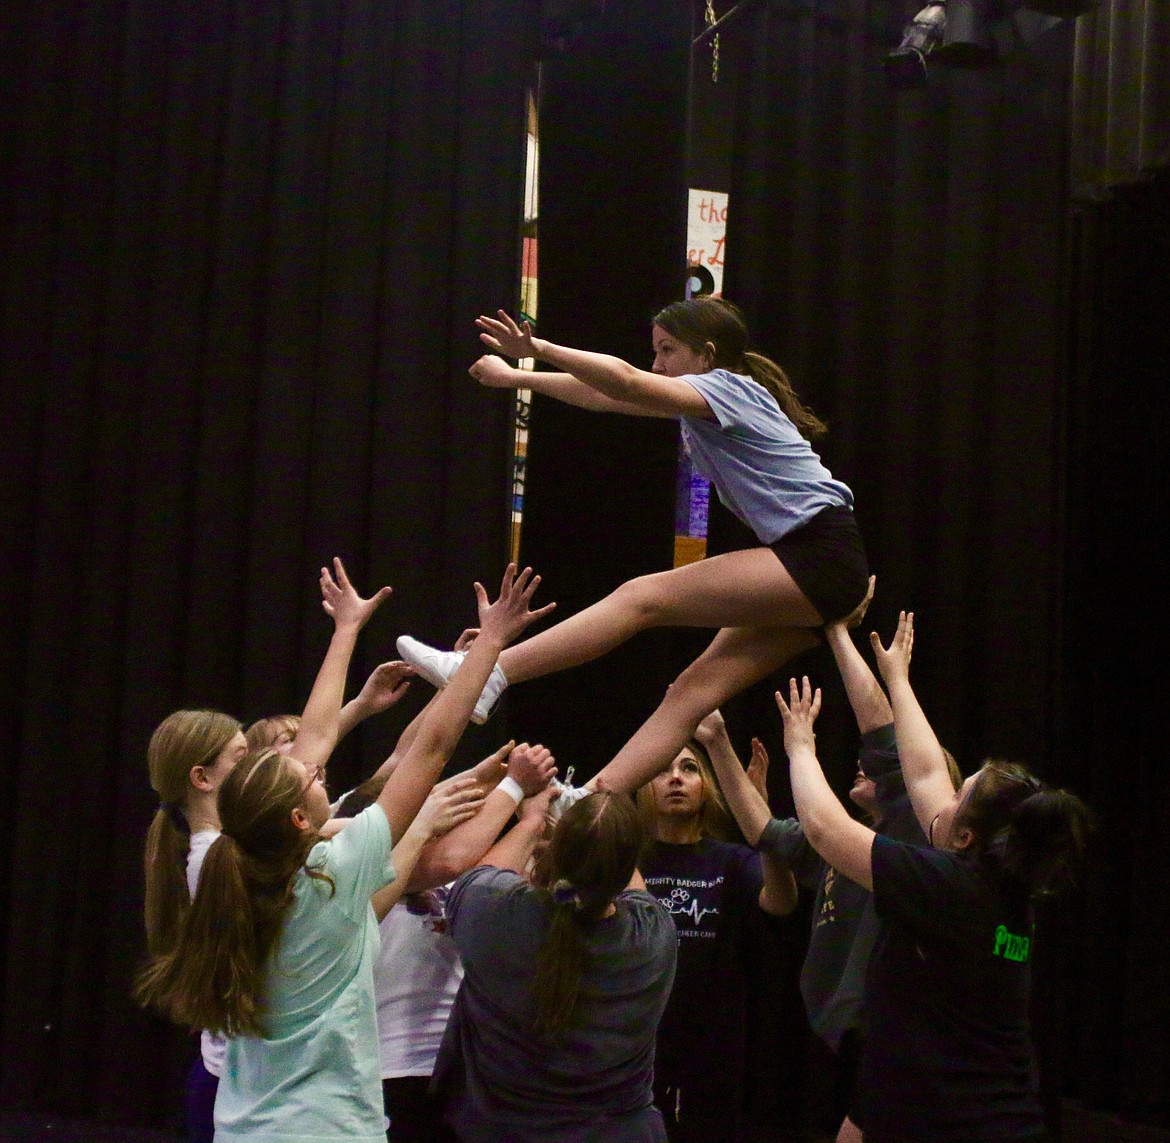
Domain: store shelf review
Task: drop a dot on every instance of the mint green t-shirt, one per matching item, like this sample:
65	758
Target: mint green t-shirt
314	1077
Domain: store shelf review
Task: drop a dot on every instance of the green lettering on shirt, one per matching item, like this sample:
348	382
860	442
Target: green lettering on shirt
1010	946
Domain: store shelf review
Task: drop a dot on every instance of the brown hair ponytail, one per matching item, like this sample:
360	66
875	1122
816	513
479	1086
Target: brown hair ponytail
766	373
592	856
1033	834
701	322
214	975
182	741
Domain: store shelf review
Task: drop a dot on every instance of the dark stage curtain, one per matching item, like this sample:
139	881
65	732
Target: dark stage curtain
1121	95
598	508
1116	680
244	241
904	255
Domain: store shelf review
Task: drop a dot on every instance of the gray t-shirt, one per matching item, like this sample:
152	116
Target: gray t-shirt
762	468
595	1081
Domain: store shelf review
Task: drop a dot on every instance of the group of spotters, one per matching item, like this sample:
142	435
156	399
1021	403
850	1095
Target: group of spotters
503	956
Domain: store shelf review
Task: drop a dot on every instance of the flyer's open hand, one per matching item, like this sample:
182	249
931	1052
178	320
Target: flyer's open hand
503	335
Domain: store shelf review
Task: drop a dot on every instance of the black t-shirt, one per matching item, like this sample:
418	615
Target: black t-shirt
711	890
949	1053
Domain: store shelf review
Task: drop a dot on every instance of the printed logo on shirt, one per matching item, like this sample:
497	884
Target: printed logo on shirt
1012	947
696	906
828	912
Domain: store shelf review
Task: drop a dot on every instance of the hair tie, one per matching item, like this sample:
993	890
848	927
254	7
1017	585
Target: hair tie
178	820
563	893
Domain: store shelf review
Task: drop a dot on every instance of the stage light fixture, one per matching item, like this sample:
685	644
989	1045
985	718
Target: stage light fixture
906	64
972	34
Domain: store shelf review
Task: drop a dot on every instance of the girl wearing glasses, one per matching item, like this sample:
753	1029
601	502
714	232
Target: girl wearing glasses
191	753
278	946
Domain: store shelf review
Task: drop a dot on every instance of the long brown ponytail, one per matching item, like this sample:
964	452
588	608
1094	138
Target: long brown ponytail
720	323
213	977
183	740
591	857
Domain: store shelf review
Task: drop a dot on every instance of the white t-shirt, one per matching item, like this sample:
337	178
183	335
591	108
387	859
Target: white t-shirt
416	977
212	1046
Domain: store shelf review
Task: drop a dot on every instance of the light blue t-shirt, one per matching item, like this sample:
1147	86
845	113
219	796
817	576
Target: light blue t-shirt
757	461
315	1077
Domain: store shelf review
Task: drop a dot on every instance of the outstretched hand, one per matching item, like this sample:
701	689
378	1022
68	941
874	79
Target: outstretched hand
757	770
387	683
448	804
510	615
491	770
799	713
854	618
495	373
341	601
503	335
894	661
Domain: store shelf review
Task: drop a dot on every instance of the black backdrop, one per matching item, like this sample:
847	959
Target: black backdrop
986	353
243	243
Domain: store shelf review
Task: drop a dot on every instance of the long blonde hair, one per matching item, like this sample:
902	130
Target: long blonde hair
182	741
714	817
214	976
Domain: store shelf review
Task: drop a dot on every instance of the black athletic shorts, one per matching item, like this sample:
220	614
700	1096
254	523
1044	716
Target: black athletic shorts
827	559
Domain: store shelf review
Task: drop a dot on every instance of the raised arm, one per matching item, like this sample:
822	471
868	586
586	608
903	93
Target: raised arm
385	686
447	805
514	850
845	844
635	390
447	716
778	895
320	722
531	768
924	765
749	809
870	706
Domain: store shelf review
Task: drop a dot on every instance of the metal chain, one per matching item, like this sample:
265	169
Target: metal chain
710	16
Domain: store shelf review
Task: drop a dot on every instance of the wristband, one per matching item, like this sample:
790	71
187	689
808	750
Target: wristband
512	788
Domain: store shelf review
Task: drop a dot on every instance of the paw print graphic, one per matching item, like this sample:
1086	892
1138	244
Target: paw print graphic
680	895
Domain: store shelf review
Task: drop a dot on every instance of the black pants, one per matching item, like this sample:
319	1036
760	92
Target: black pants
415	1115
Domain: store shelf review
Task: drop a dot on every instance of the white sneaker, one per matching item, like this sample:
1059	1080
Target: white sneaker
568	794
489	696
434	665
438	668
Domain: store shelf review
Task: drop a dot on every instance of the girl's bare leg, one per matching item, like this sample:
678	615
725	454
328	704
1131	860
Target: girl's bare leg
736	658
740	589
